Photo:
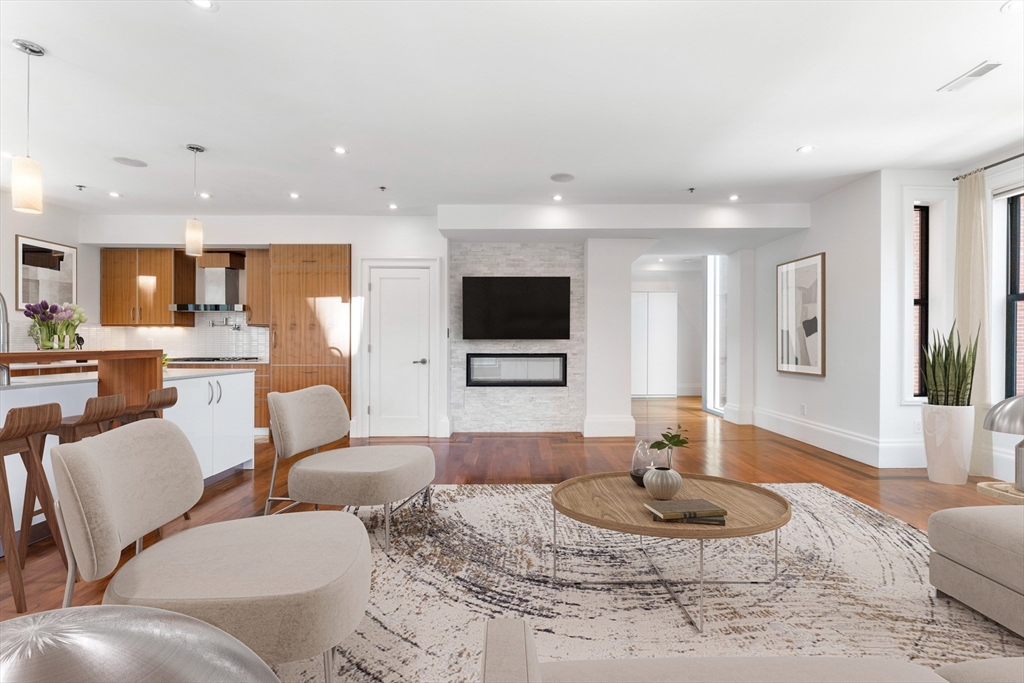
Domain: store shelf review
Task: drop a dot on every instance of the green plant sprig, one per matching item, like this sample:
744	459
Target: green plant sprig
949	369
671	438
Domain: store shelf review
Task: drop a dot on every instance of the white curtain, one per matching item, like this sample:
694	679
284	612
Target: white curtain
971	303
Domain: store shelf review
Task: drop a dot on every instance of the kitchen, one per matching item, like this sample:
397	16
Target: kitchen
211	318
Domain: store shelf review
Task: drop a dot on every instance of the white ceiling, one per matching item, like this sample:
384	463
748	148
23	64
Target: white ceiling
479	102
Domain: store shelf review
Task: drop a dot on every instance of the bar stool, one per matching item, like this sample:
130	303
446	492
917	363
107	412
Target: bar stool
157	400
24	433
96	419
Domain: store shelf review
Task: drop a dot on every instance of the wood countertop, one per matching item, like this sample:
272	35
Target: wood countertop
55	356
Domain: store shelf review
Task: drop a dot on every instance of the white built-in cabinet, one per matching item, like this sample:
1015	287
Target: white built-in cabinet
654	343
216	414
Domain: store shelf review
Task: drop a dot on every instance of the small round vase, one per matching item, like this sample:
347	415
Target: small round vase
662	482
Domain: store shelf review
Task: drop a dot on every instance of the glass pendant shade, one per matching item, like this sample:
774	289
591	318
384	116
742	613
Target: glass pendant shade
26	185
193	237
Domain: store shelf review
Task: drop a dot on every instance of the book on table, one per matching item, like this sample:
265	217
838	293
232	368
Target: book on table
671	510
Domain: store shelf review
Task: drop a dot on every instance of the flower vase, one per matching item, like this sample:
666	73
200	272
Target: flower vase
45	339
646	459
662	482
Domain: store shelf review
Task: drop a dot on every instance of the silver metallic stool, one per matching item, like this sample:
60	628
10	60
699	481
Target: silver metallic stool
120	643
1008	416
348	477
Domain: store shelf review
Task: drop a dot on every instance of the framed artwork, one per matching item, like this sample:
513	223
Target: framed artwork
800	316
44	270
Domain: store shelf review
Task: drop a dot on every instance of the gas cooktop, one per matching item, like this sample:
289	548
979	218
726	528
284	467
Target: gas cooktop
220	359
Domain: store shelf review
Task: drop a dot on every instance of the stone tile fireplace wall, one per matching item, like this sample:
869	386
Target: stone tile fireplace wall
517	409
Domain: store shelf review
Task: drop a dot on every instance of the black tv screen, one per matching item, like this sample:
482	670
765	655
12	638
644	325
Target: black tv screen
515	308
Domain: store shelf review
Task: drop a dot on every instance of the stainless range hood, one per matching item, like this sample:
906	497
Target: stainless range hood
216	291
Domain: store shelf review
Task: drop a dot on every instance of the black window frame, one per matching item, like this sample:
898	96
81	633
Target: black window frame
1013	289
921	303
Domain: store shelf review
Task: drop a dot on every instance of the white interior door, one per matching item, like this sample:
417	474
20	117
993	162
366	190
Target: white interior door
662	349
399	351
638	347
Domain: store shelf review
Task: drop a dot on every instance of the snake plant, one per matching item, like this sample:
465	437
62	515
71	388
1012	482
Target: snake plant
949	369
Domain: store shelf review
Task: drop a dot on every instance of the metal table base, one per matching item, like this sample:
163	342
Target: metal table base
697	623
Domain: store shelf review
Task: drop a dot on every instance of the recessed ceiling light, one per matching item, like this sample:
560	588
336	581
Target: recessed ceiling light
128	161
557	197
1011	6
339	150
805	149
294	195
917	201
563	177
660	260
734	197
205	5
114	195
392	206
6	155
204	195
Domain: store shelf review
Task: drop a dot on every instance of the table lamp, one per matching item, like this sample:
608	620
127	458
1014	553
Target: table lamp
1008	417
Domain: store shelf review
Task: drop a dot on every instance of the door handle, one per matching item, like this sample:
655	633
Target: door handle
210	399
140	314
421	361
133	313
220	391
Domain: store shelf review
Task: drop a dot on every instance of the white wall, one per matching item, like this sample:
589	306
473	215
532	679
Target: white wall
371	237
608	276
842	407
689	286
54	224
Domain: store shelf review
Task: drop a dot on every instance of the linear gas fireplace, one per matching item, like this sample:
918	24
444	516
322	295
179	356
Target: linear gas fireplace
515	370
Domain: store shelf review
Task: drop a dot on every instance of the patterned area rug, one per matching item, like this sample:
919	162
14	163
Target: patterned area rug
853	581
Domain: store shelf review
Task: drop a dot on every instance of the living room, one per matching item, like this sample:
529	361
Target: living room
385	302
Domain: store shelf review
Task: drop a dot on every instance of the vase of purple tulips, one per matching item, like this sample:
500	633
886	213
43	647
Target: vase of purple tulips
53	324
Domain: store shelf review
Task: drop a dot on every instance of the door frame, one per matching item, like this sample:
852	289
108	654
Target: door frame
438	425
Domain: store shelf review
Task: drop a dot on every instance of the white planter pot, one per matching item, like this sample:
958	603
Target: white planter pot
948	441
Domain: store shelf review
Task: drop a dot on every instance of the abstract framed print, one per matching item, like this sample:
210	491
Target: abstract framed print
800	316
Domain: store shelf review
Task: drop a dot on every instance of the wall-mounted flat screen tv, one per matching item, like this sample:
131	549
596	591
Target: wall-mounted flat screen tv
515	308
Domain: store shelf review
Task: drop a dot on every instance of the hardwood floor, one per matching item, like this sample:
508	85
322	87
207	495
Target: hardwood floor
716	447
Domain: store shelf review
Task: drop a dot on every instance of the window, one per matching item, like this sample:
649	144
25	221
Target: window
920	295
1014	298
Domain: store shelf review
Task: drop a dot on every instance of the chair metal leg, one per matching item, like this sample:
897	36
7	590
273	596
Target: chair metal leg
316	507
138	545
387	527
329	665
270	492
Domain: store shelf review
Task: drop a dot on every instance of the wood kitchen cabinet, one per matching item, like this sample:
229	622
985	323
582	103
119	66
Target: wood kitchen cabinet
257	286
310	318
138	286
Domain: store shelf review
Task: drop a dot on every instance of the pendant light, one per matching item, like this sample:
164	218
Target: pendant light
26	173
193	226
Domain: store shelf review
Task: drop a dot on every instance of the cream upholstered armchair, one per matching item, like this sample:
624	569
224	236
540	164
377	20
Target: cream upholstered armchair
289	587
362	475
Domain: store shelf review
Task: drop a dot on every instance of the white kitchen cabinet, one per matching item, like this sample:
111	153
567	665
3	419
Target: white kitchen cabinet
216	414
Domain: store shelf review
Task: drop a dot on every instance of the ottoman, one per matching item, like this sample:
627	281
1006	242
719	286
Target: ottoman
978	559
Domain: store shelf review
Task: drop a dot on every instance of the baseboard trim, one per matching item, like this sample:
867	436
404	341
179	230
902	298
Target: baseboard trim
846	443
741	415
608	425
689	390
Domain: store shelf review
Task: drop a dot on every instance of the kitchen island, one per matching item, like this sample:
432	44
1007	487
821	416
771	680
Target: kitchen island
214	409
132	373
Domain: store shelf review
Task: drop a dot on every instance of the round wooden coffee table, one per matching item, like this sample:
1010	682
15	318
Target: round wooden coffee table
610	500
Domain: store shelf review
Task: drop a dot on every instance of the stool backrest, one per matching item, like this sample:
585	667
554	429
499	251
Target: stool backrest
102	409
159	399
21	422
307	418
118	486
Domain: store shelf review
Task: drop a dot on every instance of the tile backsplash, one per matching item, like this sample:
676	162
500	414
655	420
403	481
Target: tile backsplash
177	342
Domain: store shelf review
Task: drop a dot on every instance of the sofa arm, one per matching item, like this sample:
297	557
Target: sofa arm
509	652
998	670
